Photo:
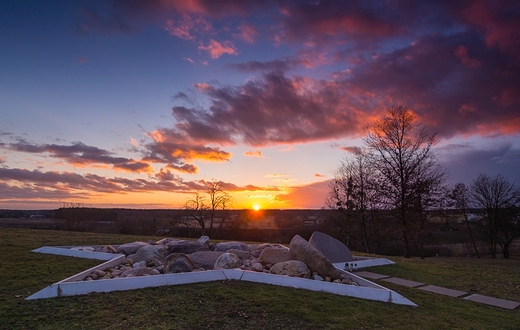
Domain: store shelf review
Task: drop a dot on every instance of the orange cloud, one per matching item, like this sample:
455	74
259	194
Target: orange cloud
253	154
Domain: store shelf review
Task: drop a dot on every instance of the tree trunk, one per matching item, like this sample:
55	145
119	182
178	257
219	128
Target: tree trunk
471	235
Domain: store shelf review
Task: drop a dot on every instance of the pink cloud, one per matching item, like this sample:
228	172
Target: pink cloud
352	149
185	26
462	53
216	49
312	195
247	33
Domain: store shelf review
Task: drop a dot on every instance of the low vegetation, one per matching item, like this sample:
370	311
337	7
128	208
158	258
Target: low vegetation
240	305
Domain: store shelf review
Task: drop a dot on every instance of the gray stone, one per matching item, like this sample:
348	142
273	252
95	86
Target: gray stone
293	268
186	247
227	261
109	249
141	271
306	252
166	241
225	246
178	263
204	240
152	255
273	255
99	273
205	259
243	255
257	267
130	248
330	247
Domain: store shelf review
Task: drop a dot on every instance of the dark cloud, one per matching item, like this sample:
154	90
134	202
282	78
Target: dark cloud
464	163
36	184
269	110
80	154
270	66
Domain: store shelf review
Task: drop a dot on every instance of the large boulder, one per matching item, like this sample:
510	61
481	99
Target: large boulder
273	255
227	261
256	249
178	263
186	247
205	259
225	246
331	248
304	251
130	248
243	255
294	268
153	255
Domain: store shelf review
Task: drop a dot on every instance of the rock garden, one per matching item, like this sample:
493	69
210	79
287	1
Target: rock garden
167	256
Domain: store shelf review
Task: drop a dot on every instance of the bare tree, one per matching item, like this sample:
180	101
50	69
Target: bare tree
196	210
498	202
354	195
74	215
410	177
204	207
461	200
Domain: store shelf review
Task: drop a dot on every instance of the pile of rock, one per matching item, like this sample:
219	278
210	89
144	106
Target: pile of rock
168	255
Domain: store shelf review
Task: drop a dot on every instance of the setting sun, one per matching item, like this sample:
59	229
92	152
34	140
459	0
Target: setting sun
256	207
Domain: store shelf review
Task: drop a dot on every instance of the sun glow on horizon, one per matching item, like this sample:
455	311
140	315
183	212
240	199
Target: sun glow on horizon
256	207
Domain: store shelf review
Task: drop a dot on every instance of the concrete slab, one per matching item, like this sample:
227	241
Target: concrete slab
502	303
370	275
400	281
443	291
63	251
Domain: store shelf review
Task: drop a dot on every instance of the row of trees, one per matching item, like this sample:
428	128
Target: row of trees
210	211
394	182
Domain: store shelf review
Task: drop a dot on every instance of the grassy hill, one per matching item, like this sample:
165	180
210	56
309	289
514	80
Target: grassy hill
241	305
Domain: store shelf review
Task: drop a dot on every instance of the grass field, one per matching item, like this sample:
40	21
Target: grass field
241	305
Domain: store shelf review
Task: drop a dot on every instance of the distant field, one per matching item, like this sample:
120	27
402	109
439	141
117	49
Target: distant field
240	305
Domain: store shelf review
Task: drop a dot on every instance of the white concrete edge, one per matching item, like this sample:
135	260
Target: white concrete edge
75	253
383	295
64	289
81	276
363	282
364	263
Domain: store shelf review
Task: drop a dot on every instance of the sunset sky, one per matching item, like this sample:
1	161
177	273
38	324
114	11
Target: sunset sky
139	103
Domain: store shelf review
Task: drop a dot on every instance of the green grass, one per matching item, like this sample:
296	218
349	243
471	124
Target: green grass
242	305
